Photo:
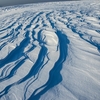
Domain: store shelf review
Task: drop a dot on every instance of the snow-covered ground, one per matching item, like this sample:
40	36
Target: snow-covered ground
50	51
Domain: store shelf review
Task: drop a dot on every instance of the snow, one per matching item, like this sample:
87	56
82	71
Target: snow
50	51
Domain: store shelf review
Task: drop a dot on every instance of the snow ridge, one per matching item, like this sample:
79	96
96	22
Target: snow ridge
50	52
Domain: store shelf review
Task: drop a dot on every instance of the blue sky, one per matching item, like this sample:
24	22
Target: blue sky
16	2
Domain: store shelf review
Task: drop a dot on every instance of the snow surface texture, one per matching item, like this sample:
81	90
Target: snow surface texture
50	51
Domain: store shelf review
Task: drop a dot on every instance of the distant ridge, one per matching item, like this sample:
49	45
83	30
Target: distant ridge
28	2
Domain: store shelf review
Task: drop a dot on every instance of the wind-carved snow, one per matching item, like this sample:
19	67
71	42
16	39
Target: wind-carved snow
50	51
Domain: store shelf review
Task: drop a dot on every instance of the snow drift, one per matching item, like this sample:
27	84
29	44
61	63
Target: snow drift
50	51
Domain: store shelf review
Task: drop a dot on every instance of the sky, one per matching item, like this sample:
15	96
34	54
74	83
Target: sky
16	2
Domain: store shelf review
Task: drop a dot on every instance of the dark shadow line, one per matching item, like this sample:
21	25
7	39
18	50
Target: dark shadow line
54	75
13	71
17	52
32	72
